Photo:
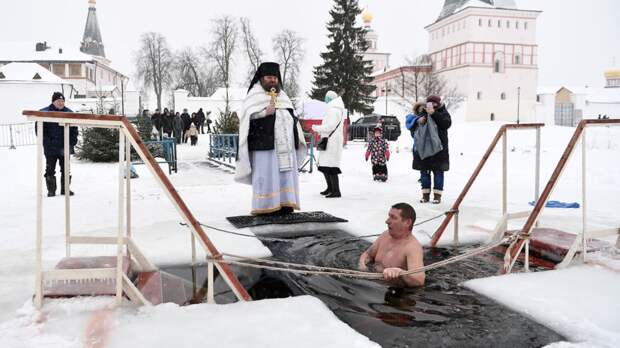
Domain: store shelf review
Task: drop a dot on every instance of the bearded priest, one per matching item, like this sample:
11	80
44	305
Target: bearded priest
271	144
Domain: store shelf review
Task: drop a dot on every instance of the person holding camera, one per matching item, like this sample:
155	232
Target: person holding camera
330	157
437	114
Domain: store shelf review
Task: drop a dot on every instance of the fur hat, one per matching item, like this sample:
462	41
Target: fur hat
378	128
418	108
433	99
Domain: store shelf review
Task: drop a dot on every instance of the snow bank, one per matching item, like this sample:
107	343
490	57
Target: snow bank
581	303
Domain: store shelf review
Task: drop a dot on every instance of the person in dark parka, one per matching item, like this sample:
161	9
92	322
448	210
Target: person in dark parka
439	162
200	121
54	145
187	121
166	122
177	128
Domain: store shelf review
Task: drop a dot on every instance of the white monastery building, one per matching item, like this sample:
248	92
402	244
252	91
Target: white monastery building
488	50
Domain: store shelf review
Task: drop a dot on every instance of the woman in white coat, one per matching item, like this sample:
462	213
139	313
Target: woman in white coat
332	126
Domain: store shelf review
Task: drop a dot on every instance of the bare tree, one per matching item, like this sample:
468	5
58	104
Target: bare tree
154	63
250	47
288	47
418	80
188	72
222	49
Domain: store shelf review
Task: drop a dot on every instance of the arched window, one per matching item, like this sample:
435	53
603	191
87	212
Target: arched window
503	96
517	59
490	24
492	117
525	25
479	22
499	23
508	24
479	95
517	25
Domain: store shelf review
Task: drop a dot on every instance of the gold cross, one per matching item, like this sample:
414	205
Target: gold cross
273	94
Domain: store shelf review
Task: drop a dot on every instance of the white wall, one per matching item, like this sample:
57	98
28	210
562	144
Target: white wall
16	97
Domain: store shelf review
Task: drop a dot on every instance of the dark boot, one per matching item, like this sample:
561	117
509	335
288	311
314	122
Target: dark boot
436	198
50	182
426	196
62	185
328	190
335	187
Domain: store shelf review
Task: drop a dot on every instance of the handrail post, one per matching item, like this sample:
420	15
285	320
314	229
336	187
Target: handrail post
456	228
505	173
537	179
38	297
12	147
583	195
119	236
127	192
66	179
210	283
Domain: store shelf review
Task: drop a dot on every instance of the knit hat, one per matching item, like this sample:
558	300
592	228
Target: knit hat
56	96
378	128
433	99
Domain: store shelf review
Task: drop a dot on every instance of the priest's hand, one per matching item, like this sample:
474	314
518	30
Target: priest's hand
270	110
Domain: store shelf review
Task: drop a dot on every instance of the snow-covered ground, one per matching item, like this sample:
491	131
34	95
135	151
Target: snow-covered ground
211	194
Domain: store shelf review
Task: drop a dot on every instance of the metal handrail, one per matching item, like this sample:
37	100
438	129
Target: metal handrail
501	132
557	172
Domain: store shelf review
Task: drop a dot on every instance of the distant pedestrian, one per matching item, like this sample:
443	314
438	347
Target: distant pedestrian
379	153
187	120
200	121
156	119
166	122
208	121
436	121
177	127
192	133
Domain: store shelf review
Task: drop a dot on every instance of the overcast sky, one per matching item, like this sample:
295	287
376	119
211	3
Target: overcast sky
578	39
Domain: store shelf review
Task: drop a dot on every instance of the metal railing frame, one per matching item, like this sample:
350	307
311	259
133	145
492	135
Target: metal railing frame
502	133
19	134
223	149
581	238
128	137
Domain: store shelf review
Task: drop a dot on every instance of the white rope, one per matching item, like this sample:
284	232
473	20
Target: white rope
342	272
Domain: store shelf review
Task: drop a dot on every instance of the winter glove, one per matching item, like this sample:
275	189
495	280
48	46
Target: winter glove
367	155
387	155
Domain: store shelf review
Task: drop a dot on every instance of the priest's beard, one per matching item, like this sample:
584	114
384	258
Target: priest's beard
268	86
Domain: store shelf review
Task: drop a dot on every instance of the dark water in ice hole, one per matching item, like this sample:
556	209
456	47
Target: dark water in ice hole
441	314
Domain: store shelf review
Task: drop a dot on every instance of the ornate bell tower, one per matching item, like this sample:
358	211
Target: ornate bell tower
91	41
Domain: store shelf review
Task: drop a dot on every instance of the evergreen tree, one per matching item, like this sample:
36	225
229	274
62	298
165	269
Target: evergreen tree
99	144
227	123
344	70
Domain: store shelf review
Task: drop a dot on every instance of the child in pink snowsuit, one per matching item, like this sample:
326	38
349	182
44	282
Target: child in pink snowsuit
379	153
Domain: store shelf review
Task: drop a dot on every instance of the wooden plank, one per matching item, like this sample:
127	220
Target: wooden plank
79	274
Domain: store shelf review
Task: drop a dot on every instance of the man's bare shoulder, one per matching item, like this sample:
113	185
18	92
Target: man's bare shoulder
413	245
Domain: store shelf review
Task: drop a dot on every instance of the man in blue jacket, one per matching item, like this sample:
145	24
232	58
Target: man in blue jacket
53	146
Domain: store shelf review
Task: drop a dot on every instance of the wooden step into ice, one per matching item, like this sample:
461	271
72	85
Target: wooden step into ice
161	287
552	244
85	287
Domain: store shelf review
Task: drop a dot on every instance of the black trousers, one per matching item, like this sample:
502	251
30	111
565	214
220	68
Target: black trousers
50	165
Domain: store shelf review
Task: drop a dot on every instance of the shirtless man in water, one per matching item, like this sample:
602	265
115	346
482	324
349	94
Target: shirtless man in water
397	250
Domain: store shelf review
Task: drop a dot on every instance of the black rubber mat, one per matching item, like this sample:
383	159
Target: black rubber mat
283	219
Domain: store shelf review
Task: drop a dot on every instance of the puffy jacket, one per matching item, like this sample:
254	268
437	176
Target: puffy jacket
53	135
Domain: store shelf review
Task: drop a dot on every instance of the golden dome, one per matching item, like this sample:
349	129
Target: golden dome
92	2
612	74
367	16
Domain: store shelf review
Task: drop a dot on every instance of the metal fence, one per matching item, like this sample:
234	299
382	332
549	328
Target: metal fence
17	134
223	149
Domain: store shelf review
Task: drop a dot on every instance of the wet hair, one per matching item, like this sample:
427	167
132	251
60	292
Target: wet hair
406	212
